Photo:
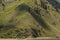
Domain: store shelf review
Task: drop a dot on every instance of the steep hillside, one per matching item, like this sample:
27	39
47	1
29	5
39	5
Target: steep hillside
29	18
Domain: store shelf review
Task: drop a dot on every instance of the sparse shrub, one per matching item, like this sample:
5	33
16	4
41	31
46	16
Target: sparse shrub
44	5
54	23
35	32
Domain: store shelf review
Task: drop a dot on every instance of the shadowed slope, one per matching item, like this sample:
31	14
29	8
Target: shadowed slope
55	4
35	15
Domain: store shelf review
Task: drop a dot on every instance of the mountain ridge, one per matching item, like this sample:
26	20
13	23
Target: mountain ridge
33	18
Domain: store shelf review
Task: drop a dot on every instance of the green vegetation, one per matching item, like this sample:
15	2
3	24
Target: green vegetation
29	18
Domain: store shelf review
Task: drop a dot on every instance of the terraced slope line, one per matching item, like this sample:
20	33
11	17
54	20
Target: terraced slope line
12	6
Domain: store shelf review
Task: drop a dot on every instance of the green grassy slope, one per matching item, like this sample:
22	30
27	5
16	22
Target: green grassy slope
26	18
